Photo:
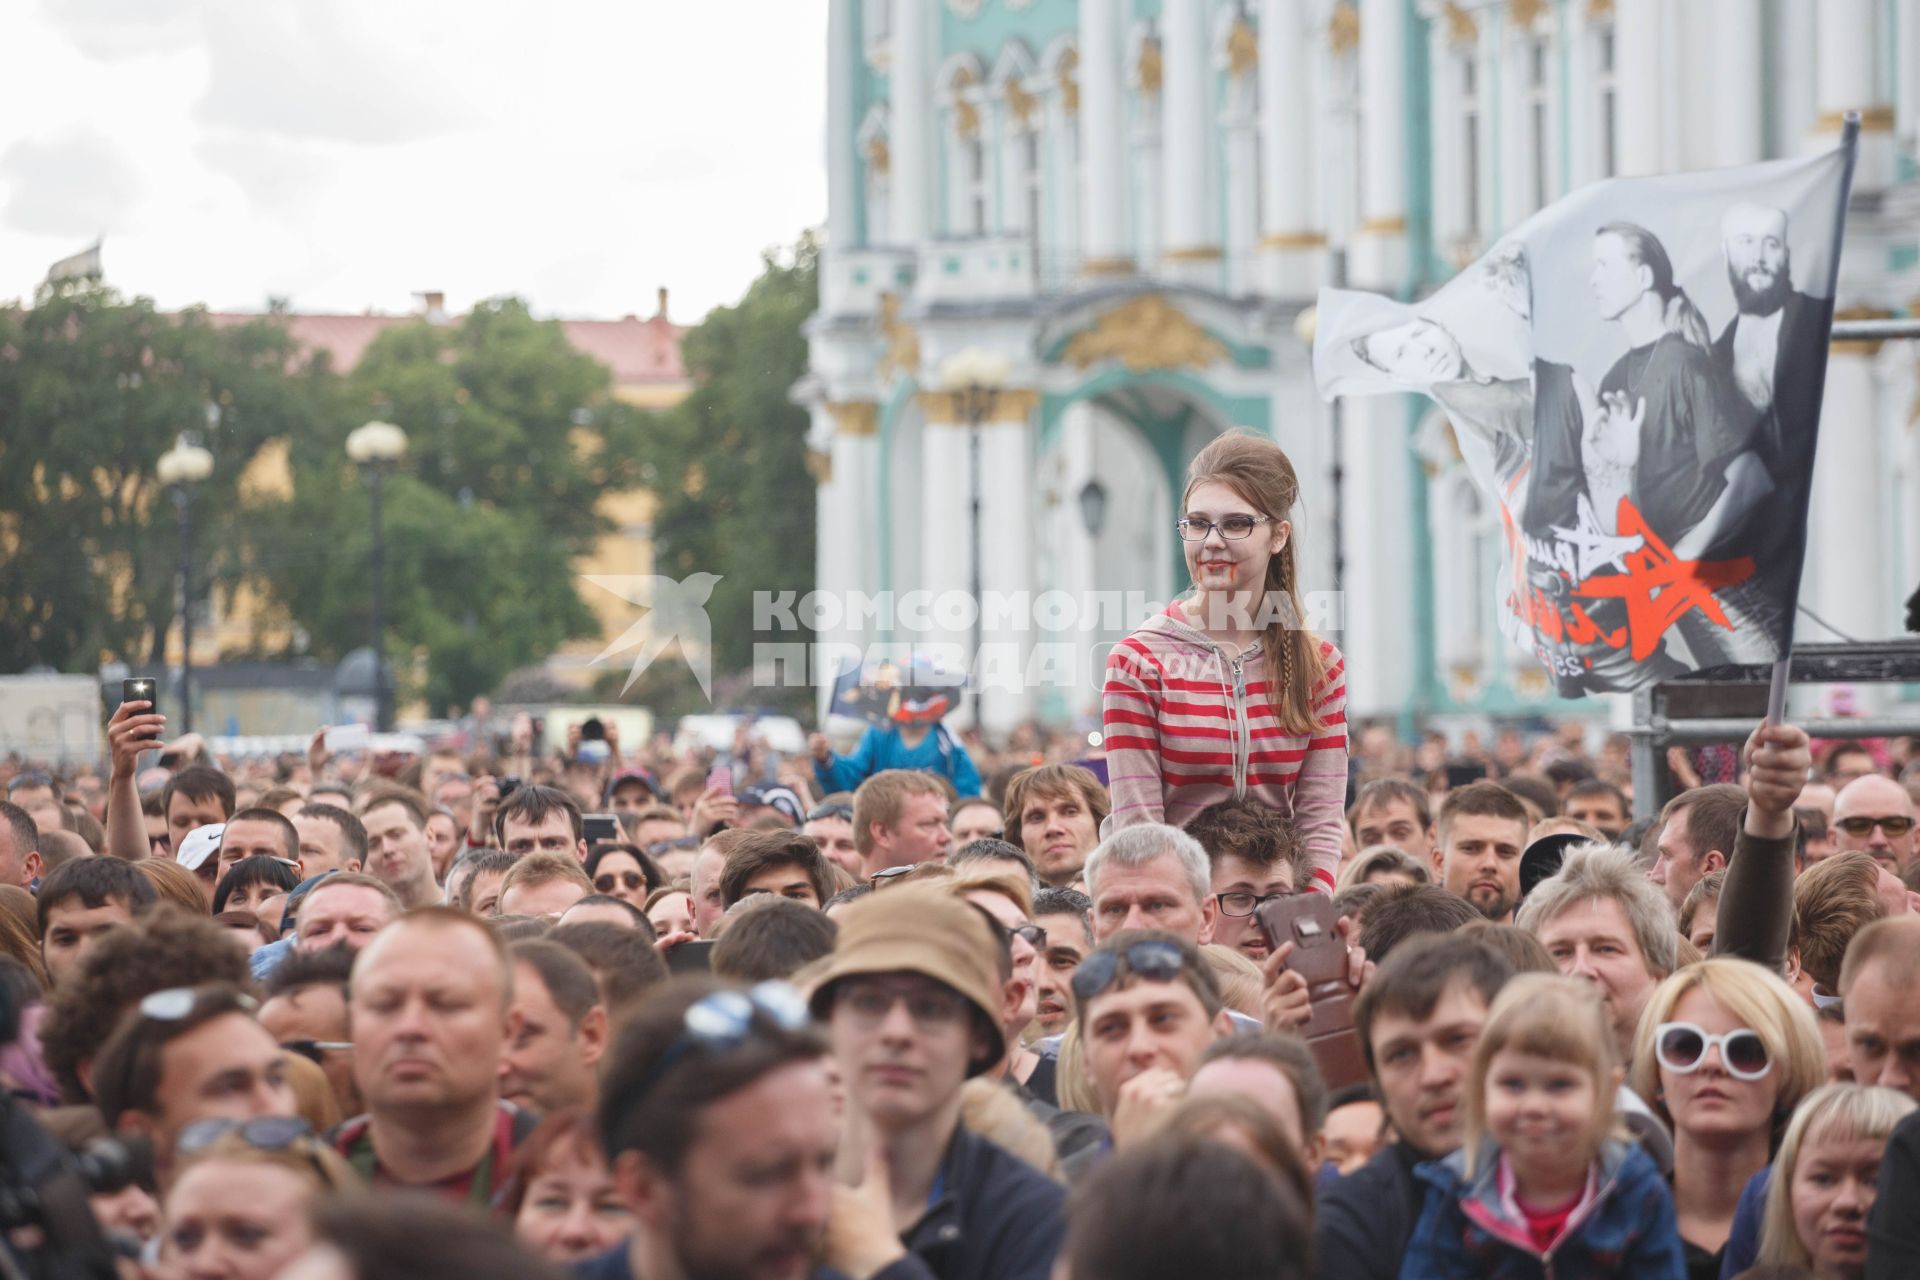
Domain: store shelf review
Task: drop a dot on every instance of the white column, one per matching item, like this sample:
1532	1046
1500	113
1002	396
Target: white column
1380	243
946	548
1739	105
1006	551
1906	20
1794	88
1379	556
843	189
1292	247
1637	51
1847	531
1192	241
910	92
1103	141
1060	238
1242	150
1845	81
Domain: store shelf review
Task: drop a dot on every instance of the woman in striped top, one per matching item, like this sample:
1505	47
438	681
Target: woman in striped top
1227	694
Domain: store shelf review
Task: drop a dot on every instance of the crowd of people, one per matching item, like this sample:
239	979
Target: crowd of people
1226	999
771	1030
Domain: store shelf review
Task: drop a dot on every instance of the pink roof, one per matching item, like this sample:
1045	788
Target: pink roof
637	351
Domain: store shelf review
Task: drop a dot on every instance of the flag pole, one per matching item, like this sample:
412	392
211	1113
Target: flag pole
1850	145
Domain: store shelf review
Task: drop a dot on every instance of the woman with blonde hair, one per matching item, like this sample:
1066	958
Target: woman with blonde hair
1825	1178
1239	977
1384	864
1724	1053
238	1206
1234	656
174	883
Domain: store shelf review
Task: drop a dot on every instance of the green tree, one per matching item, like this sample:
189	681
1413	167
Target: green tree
729	462
93	389
512	439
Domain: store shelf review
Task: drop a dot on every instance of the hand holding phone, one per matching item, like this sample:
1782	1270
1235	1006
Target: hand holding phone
720	779
598	827
143	689
1305	927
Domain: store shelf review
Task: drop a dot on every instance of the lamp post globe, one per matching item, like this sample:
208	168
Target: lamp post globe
375	446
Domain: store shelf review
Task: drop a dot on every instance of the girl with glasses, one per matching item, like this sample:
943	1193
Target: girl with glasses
1546	1181
1227	694
1724	1052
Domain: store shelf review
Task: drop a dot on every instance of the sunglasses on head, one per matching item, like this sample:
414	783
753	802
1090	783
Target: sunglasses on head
1152	960
887	875
606	881
1893	825
838	809
176	1003
658	847
724	1021
1681	1047
262	1133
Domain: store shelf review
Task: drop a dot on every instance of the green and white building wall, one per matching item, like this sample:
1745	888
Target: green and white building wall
1130	203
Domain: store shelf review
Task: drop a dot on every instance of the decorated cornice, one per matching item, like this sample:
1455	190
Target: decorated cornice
902	355
1145	333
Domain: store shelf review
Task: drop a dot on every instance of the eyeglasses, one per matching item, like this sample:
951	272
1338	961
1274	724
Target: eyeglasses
1893	825
1152	960
724	1021
606	880
1031	934
176	1003
1245	904
838	809
312	1050
1232	528
658	847
262	1133
931	1008
1682	1047
162	843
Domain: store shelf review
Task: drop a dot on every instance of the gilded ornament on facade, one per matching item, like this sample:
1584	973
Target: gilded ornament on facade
1146	333
966	116
902	354
1525	13
1243	47
879	155
1461	28
1599	10
1343	30
1010	405
1146	70
1069	84
854	417
820	466
1020	104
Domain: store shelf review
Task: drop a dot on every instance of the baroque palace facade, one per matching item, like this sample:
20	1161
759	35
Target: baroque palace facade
1129	203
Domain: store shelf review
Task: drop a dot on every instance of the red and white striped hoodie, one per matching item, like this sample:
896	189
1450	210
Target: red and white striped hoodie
1187	727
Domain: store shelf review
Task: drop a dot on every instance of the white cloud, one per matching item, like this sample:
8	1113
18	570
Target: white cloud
579	153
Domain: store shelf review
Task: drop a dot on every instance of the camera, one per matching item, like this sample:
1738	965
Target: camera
47	1230
508	786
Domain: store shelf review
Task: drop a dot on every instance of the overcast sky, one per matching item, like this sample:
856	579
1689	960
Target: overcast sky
348	153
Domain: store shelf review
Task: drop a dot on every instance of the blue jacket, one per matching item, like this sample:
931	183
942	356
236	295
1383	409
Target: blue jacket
1465	1231
881	748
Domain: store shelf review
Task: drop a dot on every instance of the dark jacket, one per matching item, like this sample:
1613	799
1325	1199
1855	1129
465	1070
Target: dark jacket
1893	1226
1468	1230
1366	1218
617	1265
995	1217
1755	915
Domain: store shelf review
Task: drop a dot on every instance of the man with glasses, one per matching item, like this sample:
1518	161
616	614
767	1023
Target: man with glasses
717	1117
1256	856
184	1055
911	1000
1875	815
1149	1006
830	826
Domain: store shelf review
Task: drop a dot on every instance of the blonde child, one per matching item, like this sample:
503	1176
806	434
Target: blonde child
1542	1185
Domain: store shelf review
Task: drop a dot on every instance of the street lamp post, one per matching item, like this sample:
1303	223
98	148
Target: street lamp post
180	468
974	379
374	447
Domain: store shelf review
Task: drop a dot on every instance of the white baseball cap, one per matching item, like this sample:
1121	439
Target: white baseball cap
201	843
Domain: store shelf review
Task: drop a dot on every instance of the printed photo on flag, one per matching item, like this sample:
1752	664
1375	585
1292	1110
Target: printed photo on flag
1633	377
